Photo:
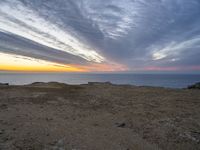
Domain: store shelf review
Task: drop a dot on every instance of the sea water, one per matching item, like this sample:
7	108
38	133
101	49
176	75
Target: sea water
158	80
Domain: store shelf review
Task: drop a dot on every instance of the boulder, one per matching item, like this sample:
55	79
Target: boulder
4	84
194	86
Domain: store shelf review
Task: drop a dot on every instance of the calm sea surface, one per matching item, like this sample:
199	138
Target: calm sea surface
161	80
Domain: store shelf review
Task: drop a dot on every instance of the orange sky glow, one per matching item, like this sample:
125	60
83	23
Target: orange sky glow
10	62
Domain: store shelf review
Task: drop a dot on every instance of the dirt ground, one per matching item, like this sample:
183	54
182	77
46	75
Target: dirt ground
98	116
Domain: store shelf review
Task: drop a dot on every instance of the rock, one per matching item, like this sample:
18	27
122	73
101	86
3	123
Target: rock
194	86
59	145
49	119
4	84
3	106
48	84
196	135
121	125
99	83
1	131
5	139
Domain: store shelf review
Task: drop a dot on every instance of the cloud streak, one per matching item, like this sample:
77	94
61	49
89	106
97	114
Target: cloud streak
19	20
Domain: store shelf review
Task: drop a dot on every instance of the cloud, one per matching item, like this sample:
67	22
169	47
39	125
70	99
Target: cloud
24	63
22	21
135	34
175	49
111	17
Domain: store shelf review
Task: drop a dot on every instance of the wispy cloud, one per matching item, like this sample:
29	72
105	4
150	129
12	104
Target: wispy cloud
15	18
174	49
113	18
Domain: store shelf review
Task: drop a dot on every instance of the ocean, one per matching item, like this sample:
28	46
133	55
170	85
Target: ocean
156	80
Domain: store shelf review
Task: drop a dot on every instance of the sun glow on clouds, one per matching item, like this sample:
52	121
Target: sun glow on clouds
9	62
15	18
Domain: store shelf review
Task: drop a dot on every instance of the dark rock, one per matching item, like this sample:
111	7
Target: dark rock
196	135
95	124
3	106
5	139
99	83
49	119
4	84
194	86
37	83
1	131
121	125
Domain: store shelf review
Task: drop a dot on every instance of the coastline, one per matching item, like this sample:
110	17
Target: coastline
98	116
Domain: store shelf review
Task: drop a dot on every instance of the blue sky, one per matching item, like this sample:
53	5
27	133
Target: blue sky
125	35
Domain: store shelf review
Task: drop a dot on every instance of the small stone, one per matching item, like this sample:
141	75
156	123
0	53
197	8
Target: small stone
121	125
95	124
49	119
6	139
1	131
3	106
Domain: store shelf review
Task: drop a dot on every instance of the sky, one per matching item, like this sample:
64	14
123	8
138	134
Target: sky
100	35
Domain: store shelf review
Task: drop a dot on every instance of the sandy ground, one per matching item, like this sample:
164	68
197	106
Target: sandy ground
98	116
